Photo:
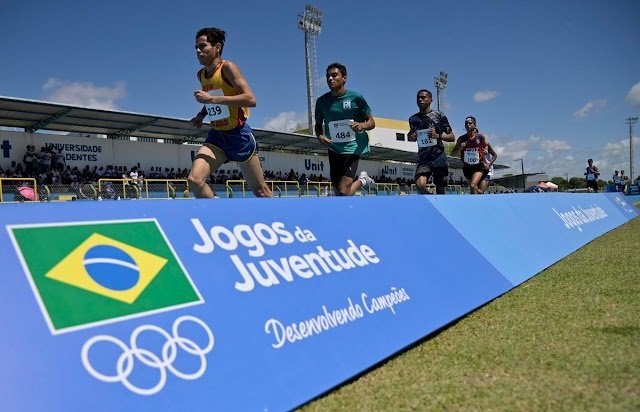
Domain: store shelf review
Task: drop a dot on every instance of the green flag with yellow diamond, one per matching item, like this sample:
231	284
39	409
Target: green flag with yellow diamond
92	273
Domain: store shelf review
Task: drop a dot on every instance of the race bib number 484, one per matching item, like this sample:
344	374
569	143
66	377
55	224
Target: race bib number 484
340	131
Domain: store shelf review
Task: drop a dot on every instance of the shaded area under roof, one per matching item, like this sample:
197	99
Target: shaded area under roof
33	115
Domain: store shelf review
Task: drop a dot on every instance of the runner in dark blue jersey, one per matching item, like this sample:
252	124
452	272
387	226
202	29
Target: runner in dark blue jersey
430	128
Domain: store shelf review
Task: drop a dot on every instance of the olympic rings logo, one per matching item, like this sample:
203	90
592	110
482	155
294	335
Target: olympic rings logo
162	362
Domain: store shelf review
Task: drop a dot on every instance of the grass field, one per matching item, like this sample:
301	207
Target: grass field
566	340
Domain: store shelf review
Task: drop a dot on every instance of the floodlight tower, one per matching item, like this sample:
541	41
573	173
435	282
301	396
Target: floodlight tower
441	83
310	22
631	121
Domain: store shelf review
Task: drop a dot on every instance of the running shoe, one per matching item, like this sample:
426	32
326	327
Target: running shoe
366	180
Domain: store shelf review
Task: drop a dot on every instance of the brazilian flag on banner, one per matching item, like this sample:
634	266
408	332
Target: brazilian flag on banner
88	273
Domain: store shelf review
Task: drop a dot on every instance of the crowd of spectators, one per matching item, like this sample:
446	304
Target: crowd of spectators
48	167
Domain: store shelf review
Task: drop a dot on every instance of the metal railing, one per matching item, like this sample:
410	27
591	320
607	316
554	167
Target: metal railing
107	188
142	189
172	188
18	189
431	189
318	189
280	188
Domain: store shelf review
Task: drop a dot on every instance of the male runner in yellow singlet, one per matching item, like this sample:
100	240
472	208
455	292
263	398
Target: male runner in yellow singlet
226	96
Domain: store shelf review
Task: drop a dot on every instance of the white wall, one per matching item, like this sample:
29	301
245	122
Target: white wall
81	151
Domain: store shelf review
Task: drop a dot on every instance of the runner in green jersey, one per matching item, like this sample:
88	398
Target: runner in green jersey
342	120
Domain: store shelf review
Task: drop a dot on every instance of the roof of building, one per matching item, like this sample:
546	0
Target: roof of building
34	115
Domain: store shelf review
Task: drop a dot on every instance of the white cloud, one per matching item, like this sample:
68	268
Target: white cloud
616	155
84	94
592	105
539	154
553	146
633	96
287	122
557	157
484	96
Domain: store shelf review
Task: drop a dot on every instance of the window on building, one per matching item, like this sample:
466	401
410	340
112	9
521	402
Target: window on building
400	137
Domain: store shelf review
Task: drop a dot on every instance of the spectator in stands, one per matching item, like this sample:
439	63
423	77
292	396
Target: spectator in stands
60	159
134	176
11	169
227	97
473	147
343	118
430	128
45	160
19	171
30	161
592	175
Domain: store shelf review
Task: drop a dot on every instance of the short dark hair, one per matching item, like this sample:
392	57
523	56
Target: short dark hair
425	91
472	118
340	67
214	35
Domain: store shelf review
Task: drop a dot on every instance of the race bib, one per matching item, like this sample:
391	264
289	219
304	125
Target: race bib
423	138
340	131
591	176
216	111
472	156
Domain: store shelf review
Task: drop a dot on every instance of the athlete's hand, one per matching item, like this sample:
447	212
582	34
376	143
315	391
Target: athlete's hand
324	140
204	97
357	127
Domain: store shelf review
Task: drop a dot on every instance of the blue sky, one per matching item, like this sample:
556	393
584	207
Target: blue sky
551	82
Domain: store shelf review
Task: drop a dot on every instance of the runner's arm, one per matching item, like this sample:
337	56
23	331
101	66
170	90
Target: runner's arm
456	148
368	124
319	129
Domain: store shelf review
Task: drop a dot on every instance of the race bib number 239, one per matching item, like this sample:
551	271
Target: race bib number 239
217	111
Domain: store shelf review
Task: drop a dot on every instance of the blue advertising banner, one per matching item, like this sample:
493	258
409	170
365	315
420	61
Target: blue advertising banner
252	304
523	234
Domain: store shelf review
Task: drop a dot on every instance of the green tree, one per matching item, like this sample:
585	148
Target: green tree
562	183
577	183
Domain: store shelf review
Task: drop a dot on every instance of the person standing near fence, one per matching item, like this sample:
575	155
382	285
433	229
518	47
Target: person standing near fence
342	120
430	128
226	96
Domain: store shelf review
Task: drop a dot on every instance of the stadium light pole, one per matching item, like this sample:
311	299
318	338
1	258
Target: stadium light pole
524	179
441	83
631	121
310	22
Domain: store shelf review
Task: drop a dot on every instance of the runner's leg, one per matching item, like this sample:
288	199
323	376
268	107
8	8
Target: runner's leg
253	174
208	159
